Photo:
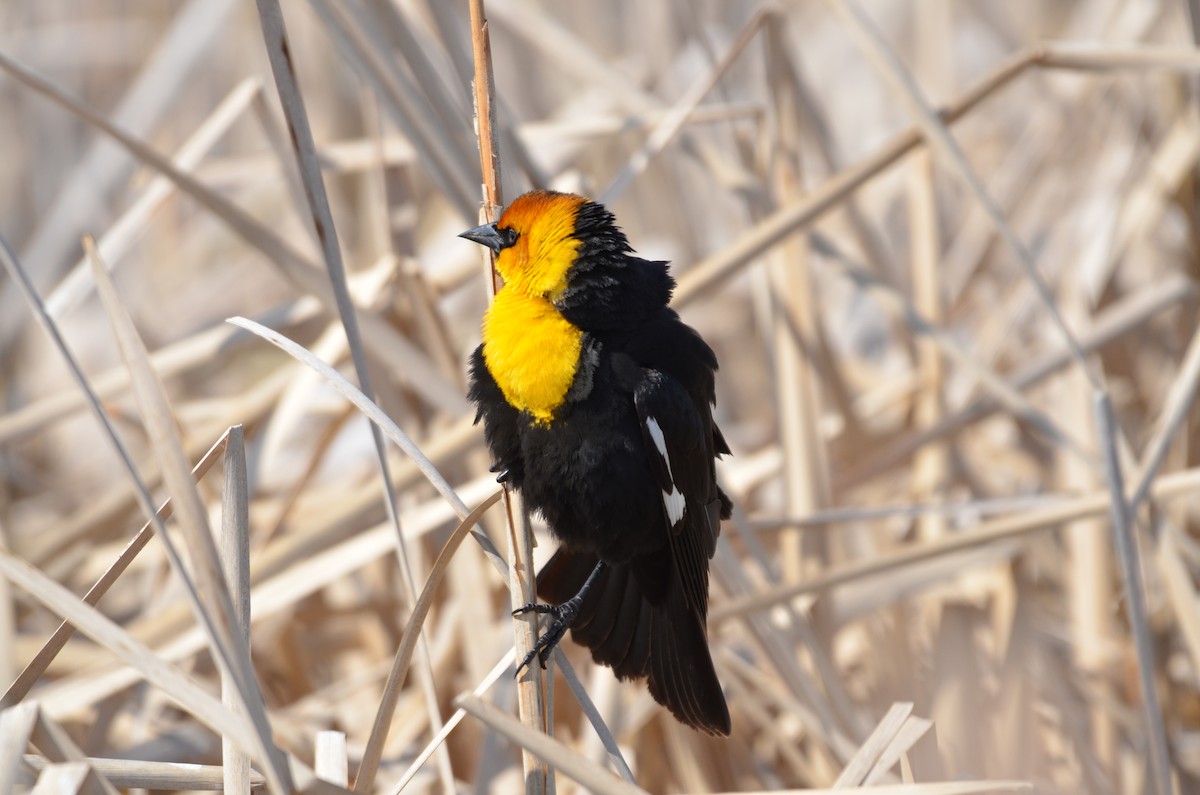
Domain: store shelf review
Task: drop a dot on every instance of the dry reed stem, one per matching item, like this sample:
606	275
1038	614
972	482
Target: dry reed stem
531	696
931	465
209	593
134	774
175	685
579	768
235	564
68	777
169	361
16	727
271	596
1137	613
1091	554
1166	487
1118	320
286	82
444	165
484	685
98	172
863	762
41	661
373	412
946	788
998	389
716	268
1180	591
944	144
203	554
330	758
672	122
708	273
114	243
383	340
367	770
797	337
58	746
1178	402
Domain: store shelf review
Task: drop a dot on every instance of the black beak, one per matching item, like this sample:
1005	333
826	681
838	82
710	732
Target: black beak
487	235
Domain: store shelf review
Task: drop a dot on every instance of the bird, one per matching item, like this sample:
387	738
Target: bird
597	407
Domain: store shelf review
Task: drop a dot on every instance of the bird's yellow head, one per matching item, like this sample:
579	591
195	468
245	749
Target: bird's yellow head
534	241
568	269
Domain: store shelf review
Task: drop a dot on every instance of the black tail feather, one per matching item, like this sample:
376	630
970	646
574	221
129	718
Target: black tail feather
626	632
625	626
605	602
682	677
636	662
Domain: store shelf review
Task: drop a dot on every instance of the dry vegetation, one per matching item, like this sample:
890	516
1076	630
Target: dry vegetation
924	322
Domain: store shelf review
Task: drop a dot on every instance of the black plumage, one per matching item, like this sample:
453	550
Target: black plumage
623	472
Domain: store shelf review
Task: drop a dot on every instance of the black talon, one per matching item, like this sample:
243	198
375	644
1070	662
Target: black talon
564	616
504	472
533	607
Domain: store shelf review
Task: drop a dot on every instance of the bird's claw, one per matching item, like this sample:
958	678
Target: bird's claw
504	473
564	617
534	607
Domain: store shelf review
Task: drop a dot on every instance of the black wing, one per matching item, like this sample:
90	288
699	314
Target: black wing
679	449
500	421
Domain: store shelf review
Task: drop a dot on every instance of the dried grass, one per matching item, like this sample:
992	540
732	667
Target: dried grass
942	251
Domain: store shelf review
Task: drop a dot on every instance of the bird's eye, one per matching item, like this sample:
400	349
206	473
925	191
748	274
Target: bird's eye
508	236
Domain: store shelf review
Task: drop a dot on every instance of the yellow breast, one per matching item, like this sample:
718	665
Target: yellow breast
532	352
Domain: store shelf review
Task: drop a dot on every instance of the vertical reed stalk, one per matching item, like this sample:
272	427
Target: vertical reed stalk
530	696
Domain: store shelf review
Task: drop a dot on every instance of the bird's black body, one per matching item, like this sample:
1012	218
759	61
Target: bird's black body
624	473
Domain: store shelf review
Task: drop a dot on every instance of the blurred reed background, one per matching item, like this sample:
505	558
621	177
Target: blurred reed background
921	582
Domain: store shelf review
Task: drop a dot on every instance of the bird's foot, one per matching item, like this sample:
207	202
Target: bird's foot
504	472
564	616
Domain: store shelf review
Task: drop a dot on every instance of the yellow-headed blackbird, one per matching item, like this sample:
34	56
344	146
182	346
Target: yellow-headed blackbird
596	403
